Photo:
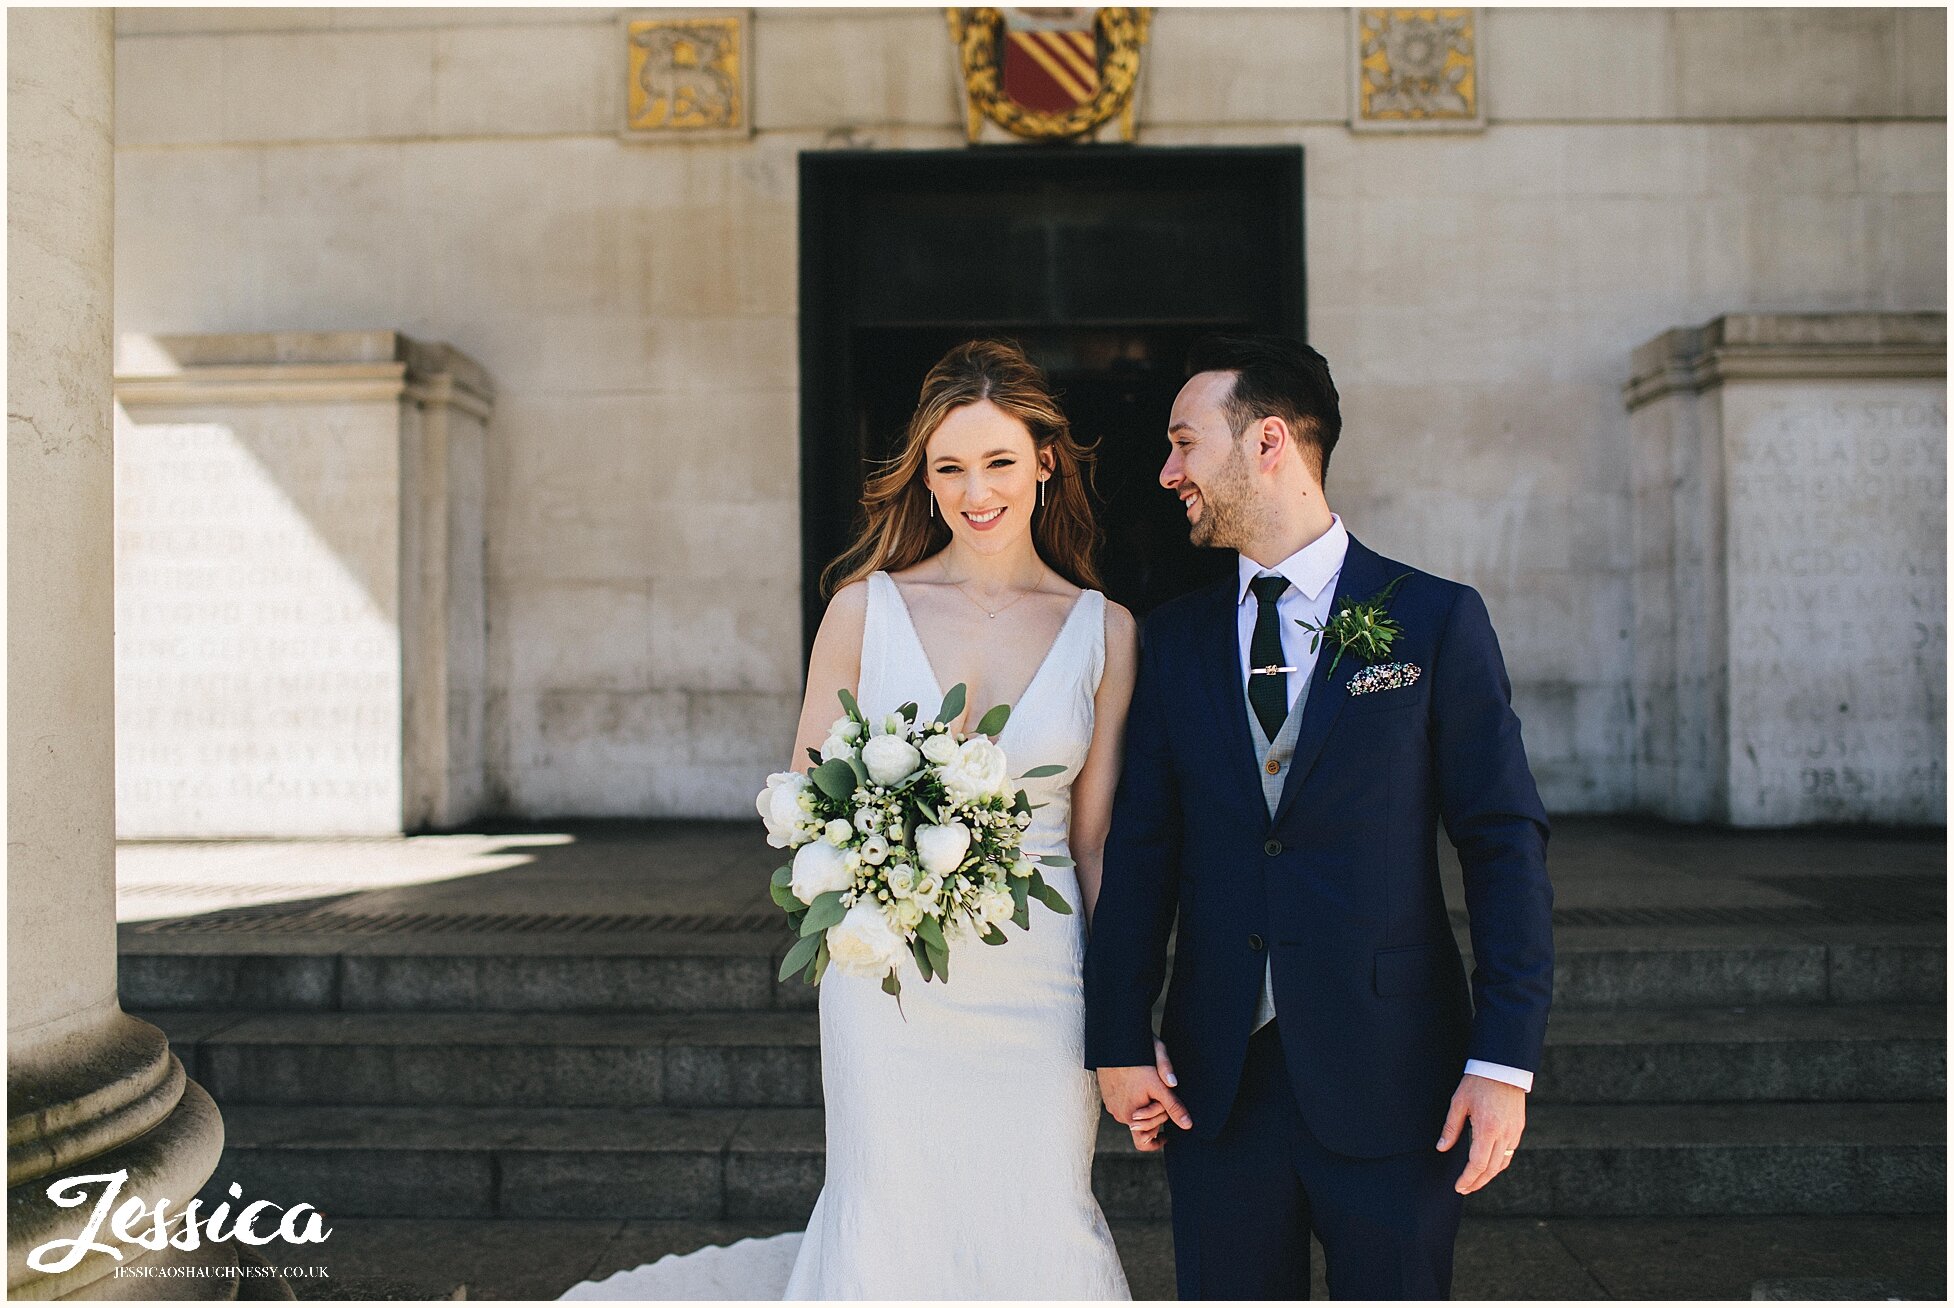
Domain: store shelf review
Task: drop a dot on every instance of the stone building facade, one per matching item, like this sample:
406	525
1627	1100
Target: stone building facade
459	176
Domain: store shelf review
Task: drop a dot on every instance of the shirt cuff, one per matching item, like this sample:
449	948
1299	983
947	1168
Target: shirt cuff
1500	1072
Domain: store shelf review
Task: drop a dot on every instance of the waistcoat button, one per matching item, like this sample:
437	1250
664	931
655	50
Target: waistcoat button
1274	767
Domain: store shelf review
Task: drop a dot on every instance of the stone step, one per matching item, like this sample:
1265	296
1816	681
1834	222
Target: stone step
734	1164
1595	967
772	1059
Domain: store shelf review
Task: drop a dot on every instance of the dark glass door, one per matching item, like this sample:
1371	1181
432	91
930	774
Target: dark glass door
1104	264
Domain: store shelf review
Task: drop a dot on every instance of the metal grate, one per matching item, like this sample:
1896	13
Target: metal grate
257	920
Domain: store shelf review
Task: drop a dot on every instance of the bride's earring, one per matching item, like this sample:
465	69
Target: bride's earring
932	495
1041	491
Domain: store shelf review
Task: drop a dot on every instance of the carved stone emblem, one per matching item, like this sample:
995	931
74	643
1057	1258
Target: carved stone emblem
1416	69
689	74
1049	74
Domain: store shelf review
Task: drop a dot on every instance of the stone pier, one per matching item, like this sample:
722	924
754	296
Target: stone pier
1790	591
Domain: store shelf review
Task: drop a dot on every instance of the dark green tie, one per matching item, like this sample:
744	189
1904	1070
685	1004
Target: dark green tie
1268	692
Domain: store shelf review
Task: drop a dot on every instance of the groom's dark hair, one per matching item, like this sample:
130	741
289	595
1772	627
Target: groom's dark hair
1276	377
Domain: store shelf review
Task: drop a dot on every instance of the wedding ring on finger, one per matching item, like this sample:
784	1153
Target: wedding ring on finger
1509	1153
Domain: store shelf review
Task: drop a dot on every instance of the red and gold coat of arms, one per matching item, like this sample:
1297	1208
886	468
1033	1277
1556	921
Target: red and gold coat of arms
1050	74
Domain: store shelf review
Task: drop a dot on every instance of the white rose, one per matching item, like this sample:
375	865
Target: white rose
846	728
940	849
867	821
902	880
780	807
835	747
838	832
929	892
874	849
977	772
863	943
995	905
819	868
892	725
907	913
889	759
939	749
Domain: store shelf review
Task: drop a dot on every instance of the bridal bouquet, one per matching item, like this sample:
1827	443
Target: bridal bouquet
906	835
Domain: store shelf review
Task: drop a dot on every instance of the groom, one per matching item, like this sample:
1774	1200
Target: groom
1280	801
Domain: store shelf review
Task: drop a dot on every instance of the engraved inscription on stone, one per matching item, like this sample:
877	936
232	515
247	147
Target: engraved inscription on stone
258	682
1837	601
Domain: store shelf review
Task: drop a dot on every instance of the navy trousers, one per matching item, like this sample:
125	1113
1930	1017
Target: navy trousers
1245	1203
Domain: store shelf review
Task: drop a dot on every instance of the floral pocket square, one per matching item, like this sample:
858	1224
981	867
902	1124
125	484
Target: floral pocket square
1384	676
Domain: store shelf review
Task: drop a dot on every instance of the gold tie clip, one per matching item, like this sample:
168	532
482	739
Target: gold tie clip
1269	671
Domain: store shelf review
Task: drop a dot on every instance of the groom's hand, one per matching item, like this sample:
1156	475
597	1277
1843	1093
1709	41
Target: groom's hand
1138	1098
1498	1113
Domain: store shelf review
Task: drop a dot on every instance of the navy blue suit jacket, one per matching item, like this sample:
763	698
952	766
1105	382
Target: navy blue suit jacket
1343	886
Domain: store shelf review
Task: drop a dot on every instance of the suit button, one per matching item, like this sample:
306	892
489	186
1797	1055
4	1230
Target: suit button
1274	767
1255	942
1272	847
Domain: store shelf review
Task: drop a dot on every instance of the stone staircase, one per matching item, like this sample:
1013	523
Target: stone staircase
544	1069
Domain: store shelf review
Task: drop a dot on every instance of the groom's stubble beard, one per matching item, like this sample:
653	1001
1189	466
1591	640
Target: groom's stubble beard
1229	512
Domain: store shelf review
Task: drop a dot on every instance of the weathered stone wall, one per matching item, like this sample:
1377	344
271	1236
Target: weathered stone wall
456	174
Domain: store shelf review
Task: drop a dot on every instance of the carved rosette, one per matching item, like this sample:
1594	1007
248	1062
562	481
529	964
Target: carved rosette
1416	69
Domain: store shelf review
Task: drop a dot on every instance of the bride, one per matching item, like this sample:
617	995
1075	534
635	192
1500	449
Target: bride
960	1128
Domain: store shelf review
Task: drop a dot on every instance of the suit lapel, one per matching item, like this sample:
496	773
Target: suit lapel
1219	660
1361	577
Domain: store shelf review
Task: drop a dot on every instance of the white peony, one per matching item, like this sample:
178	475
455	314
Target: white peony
780	808
939	749
819	868
835	747
863	943
977	772
839	832
941	849
889	759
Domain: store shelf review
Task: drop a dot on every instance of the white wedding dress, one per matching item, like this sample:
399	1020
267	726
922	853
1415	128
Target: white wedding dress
960	1129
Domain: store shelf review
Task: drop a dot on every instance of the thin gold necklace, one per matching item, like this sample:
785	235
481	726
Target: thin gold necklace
987	612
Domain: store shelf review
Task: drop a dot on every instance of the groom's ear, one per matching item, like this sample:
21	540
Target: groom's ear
1273	442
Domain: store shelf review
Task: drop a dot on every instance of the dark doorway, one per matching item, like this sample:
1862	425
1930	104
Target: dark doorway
1104	264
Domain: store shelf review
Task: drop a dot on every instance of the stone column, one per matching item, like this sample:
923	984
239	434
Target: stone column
1790	586
91	1089
300	584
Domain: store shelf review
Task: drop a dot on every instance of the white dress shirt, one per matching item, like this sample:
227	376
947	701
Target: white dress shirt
1312	573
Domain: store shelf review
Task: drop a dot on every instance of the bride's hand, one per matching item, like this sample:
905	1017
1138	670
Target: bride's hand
1151	1119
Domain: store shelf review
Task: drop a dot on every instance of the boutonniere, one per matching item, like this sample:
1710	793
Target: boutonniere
1360	625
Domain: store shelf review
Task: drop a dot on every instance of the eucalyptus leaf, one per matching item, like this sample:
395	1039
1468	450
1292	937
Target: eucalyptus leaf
923	807
786	898
783	875
1020	888
799	956
952	704
820	963
826	910
922	953
848	704
908	711
1022	917
993	936
932	934
861	773
1043	770
1053	860
836	779
993	722
1022	804
940	960
891	986
1051	899
814	756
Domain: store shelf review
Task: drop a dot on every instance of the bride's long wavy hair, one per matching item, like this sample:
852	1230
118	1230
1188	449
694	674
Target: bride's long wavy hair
898	528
